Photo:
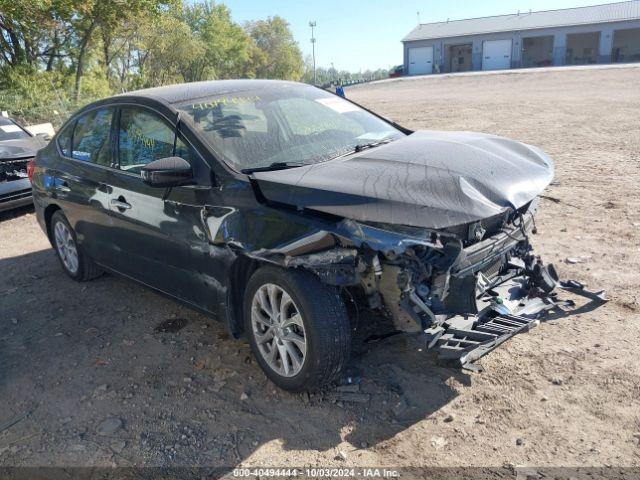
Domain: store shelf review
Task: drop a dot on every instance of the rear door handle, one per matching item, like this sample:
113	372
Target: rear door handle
120	204
62	186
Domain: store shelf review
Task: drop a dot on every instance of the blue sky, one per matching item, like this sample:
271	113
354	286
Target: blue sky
360	34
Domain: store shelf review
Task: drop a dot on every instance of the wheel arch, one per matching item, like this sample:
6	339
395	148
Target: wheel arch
239	274
48	214
244	266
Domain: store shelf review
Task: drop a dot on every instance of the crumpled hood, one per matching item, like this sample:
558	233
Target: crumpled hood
24	147
428	179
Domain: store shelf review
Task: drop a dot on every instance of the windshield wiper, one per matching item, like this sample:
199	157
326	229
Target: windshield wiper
360	147
365	146
273	166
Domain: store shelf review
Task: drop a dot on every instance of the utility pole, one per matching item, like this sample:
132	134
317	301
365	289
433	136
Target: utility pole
313	24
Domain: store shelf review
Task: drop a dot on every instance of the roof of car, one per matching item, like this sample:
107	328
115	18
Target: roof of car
188	91
5	121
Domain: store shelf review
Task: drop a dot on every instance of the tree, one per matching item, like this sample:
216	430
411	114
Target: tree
27	28
283	58
228	49
170	52
57	55
106	15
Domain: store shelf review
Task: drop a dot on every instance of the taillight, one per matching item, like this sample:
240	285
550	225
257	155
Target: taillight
31	167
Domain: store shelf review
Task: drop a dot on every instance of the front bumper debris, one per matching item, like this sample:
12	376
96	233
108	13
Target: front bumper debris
511	309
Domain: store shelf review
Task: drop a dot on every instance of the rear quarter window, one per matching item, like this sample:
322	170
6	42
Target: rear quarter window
64	139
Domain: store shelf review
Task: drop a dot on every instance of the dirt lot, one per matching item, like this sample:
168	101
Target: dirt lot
568	393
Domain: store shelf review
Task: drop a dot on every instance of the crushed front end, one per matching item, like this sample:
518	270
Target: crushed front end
466	289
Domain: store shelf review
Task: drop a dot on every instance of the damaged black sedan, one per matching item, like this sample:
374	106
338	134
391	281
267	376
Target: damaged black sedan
272	204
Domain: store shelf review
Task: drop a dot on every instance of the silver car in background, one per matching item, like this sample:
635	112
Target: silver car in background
17	148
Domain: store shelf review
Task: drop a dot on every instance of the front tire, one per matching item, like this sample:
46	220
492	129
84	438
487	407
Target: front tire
298	328
77	264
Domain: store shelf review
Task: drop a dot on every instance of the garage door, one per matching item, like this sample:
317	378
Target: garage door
496	54
420	60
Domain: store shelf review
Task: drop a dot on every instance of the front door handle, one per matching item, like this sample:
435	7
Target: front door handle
104	188
120	204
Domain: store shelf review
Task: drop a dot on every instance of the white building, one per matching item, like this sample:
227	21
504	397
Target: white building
574	36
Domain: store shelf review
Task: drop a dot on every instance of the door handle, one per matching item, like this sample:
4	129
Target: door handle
62	187
120	204
104	188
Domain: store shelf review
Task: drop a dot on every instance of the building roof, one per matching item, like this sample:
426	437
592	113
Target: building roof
611	12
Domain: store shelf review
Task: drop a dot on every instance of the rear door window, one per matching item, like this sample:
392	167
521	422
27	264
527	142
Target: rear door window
91	137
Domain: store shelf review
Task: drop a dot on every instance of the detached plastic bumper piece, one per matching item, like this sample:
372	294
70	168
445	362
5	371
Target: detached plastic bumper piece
463	339
460	345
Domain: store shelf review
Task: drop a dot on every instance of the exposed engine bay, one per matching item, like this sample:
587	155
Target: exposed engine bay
467	289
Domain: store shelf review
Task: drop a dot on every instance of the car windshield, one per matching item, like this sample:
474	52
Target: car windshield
285	124
11	131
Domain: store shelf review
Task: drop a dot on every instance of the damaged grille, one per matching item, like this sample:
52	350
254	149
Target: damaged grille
491	226
482	256
493	270
14	169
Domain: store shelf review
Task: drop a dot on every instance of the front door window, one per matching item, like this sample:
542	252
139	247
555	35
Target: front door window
145	137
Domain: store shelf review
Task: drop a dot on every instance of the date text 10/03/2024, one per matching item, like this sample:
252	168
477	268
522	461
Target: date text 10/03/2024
317	472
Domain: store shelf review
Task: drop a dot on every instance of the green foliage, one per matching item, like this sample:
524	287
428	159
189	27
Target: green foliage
57	55
172	53
34	96
334	76
228	49
283	58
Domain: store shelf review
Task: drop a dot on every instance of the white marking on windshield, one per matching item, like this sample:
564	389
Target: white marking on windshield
338	105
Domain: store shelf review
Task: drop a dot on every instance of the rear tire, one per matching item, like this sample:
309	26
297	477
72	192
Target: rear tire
77	264
306	343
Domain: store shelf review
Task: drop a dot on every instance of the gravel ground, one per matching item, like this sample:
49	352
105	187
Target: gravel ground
92	379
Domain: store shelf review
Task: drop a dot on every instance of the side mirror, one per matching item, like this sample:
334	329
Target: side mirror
167	172
45	136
